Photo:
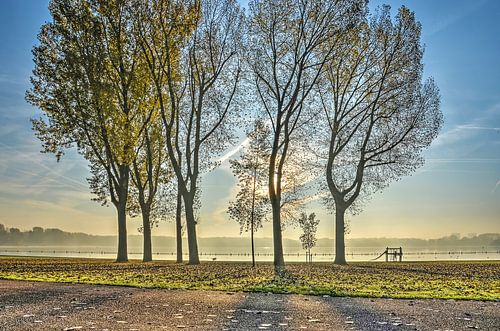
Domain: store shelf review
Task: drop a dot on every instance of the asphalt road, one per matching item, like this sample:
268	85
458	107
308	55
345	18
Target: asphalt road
48	306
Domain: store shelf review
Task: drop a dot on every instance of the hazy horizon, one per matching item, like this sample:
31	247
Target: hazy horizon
456	191
247	235
236	248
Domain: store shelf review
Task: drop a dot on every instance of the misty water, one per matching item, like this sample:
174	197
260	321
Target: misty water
321	254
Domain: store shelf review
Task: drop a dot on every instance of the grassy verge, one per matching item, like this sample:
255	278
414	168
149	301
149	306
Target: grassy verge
444	280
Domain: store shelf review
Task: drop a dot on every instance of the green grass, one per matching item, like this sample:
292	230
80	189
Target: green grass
443	280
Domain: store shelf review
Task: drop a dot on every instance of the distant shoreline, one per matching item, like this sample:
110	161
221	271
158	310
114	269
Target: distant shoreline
47	237
40	242
230	255
172	260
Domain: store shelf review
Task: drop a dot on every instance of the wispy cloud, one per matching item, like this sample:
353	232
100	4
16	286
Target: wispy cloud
485	121
454	16
449	137
475	127
496	187
461	132
234	151
468	160
27	158
12	80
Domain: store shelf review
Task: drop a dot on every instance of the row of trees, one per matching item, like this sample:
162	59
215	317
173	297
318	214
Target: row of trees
51	236
151	91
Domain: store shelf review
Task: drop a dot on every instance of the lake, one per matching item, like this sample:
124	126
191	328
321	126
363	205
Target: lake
321	254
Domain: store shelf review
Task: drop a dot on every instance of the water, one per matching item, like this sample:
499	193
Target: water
321	254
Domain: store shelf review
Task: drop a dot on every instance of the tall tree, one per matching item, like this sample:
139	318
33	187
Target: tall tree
175	197
250	207
150	171
178	226
285	39
192	49
379	115
88	82
309	226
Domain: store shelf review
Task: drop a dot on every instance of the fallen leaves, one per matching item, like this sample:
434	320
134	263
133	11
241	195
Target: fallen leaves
461	280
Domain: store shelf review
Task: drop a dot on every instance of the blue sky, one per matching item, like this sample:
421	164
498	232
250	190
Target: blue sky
457	191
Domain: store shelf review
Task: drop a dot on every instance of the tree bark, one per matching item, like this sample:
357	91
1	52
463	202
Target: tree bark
252	218
275	198
147	254
178	227
253	247
191	231
122	233
279	262
339	236
122	255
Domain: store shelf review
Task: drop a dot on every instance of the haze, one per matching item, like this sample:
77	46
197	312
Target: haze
457	190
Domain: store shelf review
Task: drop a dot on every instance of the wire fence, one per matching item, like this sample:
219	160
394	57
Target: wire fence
215	254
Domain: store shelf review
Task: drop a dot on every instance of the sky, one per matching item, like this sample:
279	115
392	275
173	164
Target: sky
456	191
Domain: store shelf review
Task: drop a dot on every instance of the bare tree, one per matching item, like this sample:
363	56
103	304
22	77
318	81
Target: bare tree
251	204
309	226
192	51
285	39
379	116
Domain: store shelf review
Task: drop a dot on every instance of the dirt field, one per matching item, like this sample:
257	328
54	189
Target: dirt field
478	280
51	306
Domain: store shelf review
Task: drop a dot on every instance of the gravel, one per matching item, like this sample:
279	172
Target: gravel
48	306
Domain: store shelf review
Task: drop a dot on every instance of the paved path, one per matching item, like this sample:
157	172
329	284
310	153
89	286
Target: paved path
46	306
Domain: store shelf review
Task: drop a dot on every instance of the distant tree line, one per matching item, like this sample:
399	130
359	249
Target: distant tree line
152	92
51	236
57	237
485	239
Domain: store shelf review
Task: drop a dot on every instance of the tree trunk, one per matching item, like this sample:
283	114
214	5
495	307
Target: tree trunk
122	233
275	197
339	236
191	231
147	254
279	262
252	218
253	247
178	227
122	255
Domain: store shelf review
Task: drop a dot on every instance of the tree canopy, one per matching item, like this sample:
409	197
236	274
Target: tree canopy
378	113
289	43
151	92
90	81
